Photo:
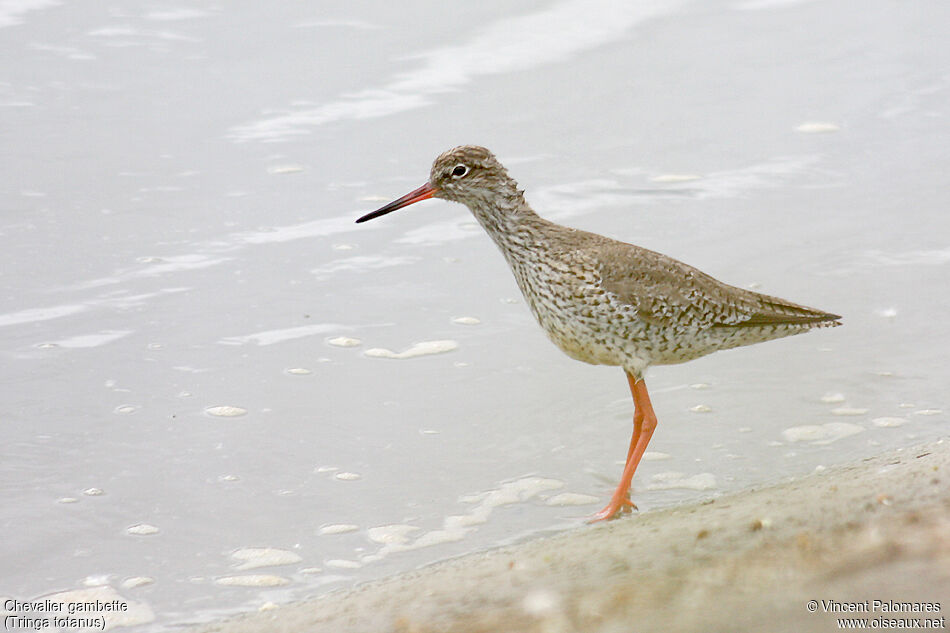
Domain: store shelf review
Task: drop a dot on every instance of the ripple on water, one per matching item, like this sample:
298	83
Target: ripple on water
142	529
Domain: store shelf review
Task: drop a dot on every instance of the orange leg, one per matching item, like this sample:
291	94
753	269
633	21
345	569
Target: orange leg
644	423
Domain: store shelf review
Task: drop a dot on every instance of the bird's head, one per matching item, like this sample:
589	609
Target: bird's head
468	174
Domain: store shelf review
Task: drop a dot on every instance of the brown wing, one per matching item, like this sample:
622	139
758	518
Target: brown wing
669	293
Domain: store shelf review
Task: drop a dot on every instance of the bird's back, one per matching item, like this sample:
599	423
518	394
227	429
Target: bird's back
609	302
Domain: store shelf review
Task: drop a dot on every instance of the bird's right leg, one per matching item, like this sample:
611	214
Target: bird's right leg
644	423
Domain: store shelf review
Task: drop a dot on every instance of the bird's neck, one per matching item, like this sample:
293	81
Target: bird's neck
506	217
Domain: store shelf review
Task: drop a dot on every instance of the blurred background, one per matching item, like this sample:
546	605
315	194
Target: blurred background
214	397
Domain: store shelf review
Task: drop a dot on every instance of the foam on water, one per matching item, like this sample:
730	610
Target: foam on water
570	499
456	527
270	337
887	422
254	557
848	411
339	528
252	580
226	411
424	348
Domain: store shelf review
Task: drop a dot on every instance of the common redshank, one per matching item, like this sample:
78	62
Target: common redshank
607	302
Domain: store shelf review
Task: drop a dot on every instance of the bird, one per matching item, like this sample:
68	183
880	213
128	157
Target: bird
607	302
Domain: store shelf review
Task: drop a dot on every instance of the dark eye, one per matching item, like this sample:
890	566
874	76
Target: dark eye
459	171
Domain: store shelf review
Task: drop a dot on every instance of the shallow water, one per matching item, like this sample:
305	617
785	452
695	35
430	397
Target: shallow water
219	392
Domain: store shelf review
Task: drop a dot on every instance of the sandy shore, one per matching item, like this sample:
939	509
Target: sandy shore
750	561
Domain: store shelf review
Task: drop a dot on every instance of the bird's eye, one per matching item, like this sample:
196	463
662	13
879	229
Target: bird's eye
459	171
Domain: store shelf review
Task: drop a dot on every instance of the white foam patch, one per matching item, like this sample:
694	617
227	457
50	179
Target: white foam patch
338	563
701	408
285	169
299	371
655	456
456	527
344	341
817	127
254	557
821	434
570	499
226	411
424	348
928	412
137	581
397	534
345	476
846	411
889	422
670	480
339	528
142	529
466	320
134	613
832	398
252	580
270	337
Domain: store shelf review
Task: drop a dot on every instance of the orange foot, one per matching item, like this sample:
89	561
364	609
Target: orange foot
614	509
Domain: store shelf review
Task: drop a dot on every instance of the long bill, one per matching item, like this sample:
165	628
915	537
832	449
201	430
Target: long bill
424	192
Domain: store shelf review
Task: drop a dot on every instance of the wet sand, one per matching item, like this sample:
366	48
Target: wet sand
876	530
